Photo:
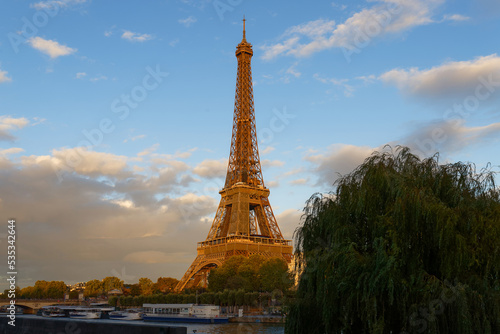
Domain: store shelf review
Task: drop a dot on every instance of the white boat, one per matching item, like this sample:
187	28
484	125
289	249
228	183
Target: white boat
183	313
103	307
130	314
53	312
85	313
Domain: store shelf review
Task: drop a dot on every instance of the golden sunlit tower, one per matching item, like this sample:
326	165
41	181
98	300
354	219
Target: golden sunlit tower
244	223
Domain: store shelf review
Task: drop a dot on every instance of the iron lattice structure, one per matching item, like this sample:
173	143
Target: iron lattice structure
244	223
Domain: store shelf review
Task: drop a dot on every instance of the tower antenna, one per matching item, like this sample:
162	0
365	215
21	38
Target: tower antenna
244	32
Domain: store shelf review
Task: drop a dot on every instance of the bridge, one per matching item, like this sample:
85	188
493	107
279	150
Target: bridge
32	305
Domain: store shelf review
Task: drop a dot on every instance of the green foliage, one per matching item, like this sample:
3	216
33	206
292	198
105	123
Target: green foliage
43	290
93	288
251	274
166	284
207	298
74	294
402	245
111	283
112	301
225	298
135	290
173	299
239	298
231	298
146	286
274	275
127	301
26	293
217	298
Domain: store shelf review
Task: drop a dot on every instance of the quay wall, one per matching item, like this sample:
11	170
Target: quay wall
39	325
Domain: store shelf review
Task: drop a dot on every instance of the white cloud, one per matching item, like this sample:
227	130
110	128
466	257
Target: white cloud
267	150
339	6
8	124
98	78
136	37
294	171
272	184
174	42
149	150
449	79
301	181
288	221
51	48
382	18
293	71
80	75
81	161
339	159
166	158
4	77
211	168
188	21
12	150
347	89
199	4
56	3
367	79
272	163
138	137
448	137
109	207
455	17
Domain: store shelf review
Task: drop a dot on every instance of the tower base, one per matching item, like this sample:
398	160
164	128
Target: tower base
213	254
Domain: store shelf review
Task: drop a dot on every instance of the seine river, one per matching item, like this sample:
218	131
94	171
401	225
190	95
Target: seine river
235	328
232	328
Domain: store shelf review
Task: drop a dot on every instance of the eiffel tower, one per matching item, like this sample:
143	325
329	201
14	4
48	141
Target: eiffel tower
244	223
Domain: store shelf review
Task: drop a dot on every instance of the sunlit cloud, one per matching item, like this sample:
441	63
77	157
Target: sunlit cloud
50	47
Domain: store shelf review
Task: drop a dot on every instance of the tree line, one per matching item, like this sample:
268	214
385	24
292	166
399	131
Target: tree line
95	288
254	273
145	286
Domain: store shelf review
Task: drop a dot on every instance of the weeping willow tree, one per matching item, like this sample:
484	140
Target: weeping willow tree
402	245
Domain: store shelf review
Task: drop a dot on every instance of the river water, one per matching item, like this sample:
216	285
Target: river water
235	328
231	328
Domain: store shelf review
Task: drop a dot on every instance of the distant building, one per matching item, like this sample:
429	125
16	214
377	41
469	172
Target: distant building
80	286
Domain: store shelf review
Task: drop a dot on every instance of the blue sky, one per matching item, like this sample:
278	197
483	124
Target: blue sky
116	117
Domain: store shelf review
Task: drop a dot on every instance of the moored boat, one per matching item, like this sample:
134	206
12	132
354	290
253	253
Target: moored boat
85	313
53	312
183	313
129	314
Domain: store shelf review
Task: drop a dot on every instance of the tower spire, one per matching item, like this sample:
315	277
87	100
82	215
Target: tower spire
244	33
